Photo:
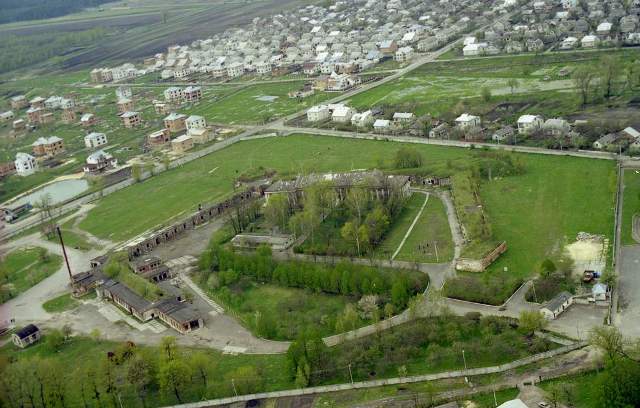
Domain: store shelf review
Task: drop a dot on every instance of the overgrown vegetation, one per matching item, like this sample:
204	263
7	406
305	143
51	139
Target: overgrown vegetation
23	268
378	292
421	346
554	277
118	269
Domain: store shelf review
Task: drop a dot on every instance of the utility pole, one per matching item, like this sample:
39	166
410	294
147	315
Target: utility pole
465	360
495	400
350	373
533	286
233	383
64	252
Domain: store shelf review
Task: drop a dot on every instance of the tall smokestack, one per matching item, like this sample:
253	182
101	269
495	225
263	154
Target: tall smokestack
64	252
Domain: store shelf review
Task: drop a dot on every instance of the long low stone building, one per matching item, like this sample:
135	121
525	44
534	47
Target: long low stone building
148	241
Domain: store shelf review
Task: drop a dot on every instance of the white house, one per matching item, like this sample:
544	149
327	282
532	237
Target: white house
381	125
529	123
403	54
474	49
604	28
172	94
235	70
556	127
569	43
589	41
362	119
466	121
95	139
124	92
6	116
25	164
403	117
318	113
342	114
195	122
263	68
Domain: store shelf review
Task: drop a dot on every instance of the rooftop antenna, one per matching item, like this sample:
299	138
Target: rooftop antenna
64	252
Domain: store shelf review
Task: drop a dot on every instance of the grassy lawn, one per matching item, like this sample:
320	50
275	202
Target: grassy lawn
554	199
302	307
73	239
430	234
631	205
245	106
25	268
582	387
400	226
60	304
448	87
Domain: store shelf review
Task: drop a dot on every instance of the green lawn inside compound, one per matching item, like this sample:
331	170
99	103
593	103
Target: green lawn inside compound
60	304
24	269
554	199
303	308
399	228
252	104
630	205
430	240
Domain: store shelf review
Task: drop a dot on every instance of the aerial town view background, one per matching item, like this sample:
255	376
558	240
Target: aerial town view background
333	203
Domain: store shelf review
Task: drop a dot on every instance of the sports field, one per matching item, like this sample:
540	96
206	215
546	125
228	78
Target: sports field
631	205
535	212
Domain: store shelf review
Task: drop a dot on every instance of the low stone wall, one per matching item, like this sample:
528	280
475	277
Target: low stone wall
147	243
479	265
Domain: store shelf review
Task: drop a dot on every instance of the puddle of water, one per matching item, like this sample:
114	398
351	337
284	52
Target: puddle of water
59	191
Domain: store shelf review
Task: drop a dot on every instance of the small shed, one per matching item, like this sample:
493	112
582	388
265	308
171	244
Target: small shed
599	291
557	305
26	336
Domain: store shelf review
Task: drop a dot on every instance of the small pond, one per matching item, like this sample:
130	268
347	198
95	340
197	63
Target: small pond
59	191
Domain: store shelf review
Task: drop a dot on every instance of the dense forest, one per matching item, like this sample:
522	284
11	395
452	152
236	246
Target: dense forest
21	10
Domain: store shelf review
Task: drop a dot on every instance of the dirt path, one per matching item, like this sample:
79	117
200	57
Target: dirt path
413	224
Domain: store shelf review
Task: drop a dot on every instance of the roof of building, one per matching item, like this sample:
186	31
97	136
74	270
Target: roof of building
97	157
129	114
181	138
27	331
126	295
46	140
528	118
516	403
180	312
403	115
175	116
465	117
381	123
599	288
559	300
631	132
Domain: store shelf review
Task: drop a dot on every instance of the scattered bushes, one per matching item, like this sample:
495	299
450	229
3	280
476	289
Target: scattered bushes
493	291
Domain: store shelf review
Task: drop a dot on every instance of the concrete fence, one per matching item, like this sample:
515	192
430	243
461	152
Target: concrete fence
389	381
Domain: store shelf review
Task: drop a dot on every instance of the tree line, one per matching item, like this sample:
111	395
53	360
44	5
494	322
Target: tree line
395	286
119	375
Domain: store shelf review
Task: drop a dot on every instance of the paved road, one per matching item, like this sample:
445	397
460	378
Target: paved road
27	307
628	317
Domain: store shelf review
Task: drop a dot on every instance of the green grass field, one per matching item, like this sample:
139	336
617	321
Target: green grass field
24	268
445	88
243	106
631	205
583	392
399	228
535	212
60	304
302	308
430	241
